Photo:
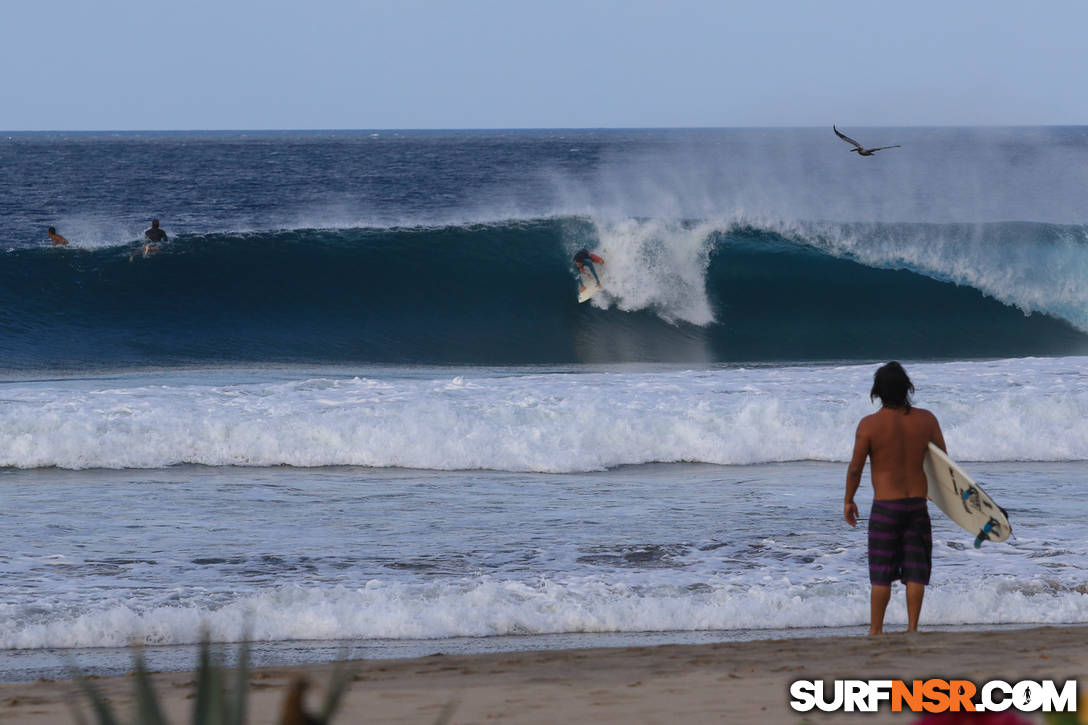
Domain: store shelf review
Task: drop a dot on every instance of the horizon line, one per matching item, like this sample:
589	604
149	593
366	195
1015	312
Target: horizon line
467	129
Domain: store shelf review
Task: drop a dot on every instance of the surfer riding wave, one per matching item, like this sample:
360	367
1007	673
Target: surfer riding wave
585	258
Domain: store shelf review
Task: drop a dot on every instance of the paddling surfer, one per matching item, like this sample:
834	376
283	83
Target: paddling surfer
154	235
895	440
58	240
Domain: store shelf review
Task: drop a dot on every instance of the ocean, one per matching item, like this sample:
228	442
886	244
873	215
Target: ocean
354	406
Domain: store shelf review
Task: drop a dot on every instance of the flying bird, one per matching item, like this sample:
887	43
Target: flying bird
861	151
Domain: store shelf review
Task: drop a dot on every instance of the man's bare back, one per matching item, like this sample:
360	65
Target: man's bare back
896	441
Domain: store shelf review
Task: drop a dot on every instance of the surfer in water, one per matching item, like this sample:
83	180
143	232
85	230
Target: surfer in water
895	440
58	240
585	258
154	235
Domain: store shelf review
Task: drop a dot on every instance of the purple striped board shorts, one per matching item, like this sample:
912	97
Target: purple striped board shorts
900	541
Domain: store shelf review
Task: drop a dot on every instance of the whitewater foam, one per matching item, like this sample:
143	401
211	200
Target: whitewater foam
493	607
658	265
1028	409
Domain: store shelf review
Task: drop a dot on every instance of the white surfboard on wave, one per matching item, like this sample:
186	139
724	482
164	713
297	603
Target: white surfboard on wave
963	500
587	285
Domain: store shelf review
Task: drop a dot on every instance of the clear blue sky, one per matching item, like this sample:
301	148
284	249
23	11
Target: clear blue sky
243	64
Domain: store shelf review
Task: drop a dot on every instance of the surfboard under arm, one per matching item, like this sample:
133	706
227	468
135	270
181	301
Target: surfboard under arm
963	500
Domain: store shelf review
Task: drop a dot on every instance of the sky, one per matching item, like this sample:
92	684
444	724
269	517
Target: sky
426	64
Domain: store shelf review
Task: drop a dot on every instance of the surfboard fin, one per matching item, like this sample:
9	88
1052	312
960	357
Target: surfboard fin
984	535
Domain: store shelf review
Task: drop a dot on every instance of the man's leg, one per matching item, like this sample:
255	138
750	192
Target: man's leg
594	271
918	561
878	603
915	592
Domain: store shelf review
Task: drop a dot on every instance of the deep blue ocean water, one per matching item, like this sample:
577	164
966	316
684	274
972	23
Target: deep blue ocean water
440	248
354	398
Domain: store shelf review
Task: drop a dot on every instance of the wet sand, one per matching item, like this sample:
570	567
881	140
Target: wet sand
743	682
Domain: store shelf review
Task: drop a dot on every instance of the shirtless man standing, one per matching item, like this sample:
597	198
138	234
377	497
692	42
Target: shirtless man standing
895	439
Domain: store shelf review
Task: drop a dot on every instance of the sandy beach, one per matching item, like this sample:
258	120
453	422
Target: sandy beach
730	682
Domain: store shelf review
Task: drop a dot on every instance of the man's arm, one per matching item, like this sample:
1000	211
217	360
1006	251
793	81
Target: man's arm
853	473
936	436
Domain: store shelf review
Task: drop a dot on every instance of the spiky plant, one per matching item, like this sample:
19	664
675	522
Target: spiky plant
219	699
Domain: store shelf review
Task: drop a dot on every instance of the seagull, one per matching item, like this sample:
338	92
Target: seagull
858	147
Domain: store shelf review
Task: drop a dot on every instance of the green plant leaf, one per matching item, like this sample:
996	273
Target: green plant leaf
99	706
236	702
208	705
339	680
148	711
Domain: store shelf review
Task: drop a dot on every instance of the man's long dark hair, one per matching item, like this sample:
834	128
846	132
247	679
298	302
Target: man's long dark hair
892	386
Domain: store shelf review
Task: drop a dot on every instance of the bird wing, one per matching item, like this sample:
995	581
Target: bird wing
845	138
881	148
